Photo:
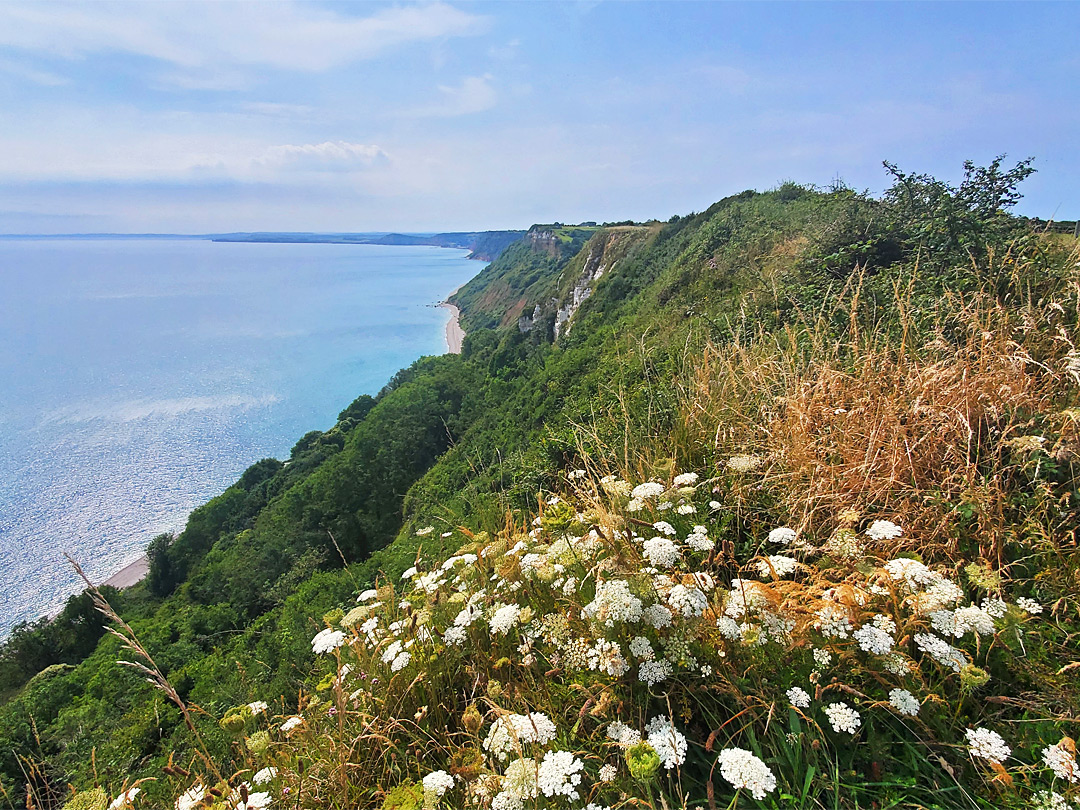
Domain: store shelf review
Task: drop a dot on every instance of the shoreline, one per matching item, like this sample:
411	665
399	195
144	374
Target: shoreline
135	572
130	574
455	335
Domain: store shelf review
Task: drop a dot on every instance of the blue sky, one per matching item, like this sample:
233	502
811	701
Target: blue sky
199	117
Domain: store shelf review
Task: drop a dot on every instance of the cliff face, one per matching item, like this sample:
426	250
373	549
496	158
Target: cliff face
600	256
542	280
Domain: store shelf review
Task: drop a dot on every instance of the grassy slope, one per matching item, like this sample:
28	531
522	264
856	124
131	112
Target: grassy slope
501	420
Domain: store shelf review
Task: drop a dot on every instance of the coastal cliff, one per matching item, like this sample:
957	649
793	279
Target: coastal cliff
761	503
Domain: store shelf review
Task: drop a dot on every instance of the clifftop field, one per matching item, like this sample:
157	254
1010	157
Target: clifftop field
773	505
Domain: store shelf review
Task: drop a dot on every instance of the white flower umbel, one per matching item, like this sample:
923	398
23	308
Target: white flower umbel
327	641
657	616
607	656
264	776
690	602
255	801
744	770
125	799
941	651
664	528
653	672
191	798
833	621
504	619
622	734
699	540
647	491
666	740
291	723
798	697
904	702
608	773
511	730
987	744
842	717
782	535
1029	605
777	565
560	774
883	530
873	639
437	783
685	479
661	552
518	785
1062	762
640	647
613	603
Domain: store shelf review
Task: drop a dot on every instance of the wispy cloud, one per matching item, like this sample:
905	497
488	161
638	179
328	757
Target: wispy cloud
474	94
330	156
32	74
205	36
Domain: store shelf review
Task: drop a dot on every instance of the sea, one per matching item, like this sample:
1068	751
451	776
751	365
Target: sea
140	377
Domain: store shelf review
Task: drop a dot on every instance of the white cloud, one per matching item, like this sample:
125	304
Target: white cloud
330	156
474	94
31	74
206	36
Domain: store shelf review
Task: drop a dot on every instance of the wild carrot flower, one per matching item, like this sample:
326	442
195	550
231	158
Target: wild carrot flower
744	463
125	799
904	702
842	717
327	641
504	619
560	774
656	616
1062	762
782	535
833	621
622	734
778	565
661	552
640	647
647	491
437	783
883	530
987	744
690	602
255	801
190	798
613	603
798	697
1029	605
744	770
941	651
666	740
608	773
873	639
653	672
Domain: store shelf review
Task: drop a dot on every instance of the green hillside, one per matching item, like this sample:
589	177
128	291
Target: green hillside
831	437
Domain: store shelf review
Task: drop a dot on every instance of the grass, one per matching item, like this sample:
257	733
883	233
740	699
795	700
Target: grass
954	420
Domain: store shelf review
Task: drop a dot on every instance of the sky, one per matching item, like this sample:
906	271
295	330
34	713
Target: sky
311	116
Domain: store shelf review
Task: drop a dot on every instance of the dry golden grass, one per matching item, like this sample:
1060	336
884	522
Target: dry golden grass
911	423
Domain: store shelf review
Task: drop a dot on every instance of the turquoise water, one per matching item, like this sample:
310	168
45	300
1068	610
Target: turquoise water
138	378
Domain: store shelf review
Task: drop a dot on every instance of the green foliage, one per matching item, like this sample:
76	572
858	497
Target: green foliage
470	440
